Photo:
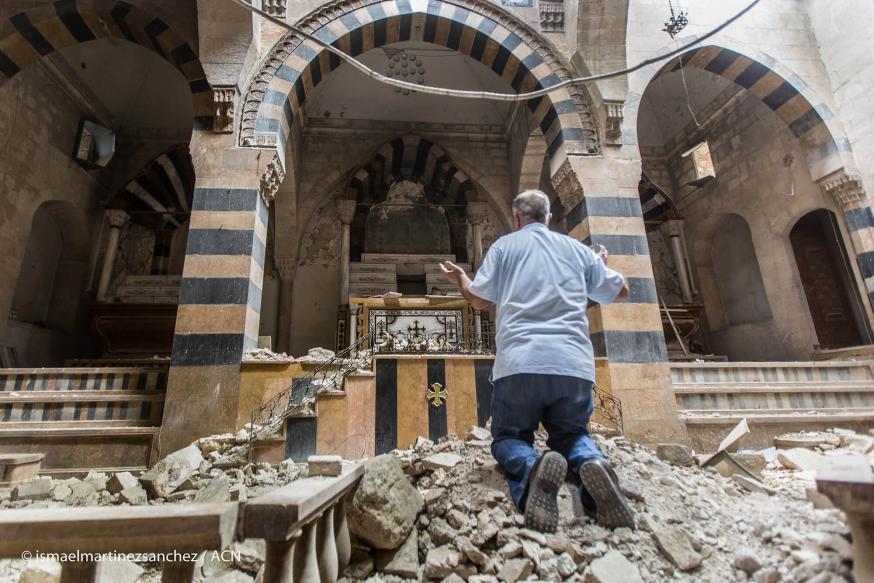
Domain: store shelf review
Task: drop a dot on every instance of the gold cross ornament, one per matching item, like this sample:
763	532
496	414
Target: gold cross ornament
436	394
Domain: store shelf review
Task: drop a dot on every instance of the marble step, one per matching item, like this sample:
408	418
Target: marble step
399	258
367	290
729	374
373	278
433	269
361	267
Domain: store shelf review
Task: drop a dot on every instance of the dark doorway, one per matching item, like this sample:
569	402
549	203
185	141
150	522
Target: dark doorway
836	309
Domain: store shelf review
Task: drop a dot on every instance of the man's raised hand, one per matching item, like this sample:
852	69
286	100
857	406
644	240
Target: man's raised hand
452	272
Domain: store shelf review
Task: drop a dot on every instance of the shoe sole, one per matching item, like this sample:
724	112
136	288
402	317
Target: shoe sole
612	509
541	507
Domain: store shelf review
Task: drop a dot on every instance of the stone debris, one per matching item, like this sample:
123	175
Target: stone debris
385	505
442	511
316	356
693	524
324	465
675	453
262	354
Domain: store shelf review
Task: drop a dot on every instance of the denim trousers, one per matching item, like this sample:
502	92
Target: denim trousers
520	403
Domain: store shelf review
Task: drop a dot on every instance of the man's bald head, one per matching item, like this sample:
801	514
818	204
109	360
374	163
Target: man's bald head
532	206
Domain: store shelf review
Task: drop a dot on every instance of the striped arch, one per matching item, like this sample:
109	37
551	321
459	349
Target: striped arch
413	158
784	96
490	37
165	186
42	30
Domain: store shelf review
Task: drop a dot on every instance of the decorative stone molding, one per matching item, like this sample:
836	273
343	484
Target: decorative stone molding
117	218
284	267
614	115
223	103
847	190
271	179
567	186
345	209
276	8
333	10
476	212
551	16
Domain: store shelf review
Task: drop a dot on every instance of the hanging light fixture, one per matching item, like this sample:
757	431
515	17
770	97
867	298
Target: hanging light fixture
677	22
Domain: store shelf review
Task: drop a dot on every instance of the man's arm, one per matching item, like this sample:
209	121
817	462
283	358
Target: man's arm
455	274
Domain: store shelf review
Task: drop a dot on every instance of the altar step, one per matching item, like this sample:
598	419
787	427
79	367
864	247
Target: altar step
774	397
377	273
81	418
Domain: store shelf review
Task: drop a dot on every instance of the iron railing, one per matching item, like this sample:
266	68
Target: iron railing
430	342
328	376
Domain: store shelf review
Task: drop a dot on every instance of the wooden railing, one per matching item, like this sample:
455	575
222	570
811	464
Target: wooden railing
303	523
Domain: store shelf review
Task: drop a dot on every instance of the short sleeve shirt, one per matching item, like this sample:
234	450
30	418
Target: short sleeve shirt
540	282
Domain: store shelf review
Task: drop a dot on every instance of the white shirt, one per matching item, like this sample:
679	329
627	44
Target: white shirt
541	281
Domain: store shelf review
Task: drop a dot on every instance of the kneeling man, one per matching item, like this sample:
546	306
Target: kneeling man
540	282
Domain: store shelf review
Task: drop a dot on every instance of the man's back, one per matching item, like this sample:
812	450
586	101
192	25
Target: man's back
540	282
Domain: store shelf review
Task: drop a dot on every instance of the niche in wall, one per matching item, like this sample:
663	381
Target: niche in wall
741	288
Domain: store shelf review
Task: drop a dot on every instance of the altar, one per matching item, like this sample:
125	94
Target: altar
416	325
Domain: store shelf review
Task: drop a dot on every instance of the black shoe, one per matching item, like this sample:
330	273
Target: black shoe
611	508
541	500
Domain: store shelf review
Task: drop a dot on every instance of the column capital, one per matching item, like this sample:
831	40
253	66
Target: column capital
846	188
345	209
674	227
117	218
284	267
271	179
567	185
476	212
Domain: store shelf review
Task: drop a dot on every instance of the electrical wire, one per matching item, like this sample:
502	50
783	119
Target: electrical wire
488	94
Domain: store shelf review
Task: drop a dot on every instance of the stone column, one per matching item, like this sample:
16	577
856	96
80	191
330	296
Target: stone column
476	213
220	299
161	255
849	194
603	207
353	324
285	270
674	229
346	212
116	218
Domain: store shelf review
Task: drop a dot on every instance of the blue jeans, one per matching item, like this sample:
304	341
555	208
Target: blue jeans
520	403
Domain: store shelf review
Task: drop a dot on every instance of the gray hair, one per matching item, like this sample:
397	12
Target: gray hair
532	206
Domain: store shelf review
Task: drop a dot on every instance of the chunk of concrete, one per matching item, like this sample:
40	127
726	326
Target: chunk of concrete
799	458
118	571
135	495
324	465
403	561
613	567
169	473
675	545
675	453
385	504
515	570
39	489
40	572
441	562
120	481
445	461
217	491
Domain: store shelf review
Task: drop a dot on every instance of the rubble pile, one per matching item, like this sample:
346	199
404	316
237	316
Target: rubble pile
792	463
442	511
212	469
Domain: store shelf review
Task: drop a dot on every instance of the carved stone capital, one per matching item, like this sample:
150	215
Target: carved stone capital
284	267
614	115
345	209
847	190
567	185
476	212
271	179
223	103
276	8
674	228
117	218
551	16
